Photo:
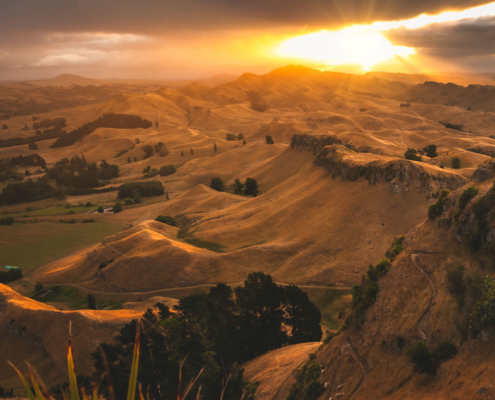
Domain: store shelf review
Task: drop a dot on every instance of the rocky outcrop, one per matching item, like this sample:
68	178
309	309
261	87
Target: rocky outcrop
400	174
484	172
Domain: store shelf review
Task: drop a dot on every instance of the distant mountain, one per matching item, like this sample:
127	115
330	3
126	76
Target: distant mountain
67	80
472	97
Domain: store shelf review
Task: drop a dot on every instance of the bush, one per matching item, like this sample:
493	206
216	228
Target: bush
217	184
436	209
136	198
33	146
145	189
88	221
443	352
117	207
468	194
269	139
6	221
483	315
308	385
100	209
88	204
401	341
231	137
411	154
431	151
148	150
128	202
251	187
396	248
456	162
456	283
166	220
420	356
91	302
38	287
167	170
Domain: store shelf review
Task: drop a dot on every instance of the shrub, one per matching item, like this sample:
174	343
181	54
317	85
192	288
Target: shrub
230	137
483	315
91	302
88	221
468	194
88	204
269	139
38	287
166	220
6	221
100	209
308	385
443	352
431	150
456	162
33	146
128	202
240	136
148	150
136	198
436	209
251	187
401	341
396	248
456	283
420	356
217	184
411	154
117	207
145	189
167	170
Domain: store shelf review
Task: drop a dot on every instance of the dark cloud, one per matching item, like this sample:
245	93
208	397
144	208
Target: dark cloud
452	40
148	16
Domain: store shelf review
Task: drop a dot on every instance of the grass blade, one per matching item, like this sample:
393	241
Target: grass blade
74	392
131	391
29	392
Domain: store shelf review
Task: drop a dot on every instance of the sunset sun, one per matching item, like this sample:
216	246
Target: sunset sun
348	46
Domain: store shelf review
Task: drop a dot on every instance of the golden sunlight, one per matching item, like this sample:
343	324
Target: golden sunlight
364	45
348	46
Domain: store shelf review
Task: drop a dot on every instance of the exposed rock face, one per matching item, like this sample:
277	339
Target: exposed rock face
484	172
398	173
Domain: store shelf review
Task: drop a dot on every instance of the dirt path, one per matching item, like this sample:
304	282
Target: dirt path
424	318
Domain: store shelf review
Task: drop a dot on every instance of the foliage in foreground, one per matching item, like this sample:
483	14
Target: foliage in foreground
308	385
427	361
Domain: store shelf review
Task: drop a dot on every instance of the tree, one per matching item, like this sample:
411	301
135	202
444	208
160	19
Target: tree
302	315
135	159
100	209
269	139
217	184
129	160
91	302
244	141
431	151
230	137
148	150
421	357
136	198
166	220
238	187
456	162
240	136
167	170
251	187
5	126
215	147
117	207
411	154
192	151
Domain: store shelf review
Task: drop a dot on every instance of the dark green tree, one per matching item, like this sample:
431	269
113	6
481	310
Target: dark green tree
217	184
456	162
238	187
251	187
148	150
269	139
117	207
91	302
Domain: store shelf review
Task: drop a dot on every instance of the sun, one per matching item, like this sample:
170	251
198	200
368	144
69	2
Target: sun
348	46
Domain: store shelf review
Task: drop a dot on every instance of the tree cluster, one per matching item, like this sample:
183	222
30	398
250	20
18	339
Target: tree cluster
145	189
214	331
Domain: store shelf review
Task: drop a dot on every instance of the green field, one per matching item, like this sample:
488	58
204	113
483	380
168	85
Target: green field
73	299
330	302
31	245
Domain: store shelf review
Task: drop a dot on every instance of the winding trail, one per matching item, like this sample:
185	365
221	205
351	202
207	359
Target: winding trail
433	299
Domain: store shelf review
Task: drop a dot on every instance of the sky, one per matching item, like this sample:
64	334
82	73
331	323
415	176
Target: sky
183	39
